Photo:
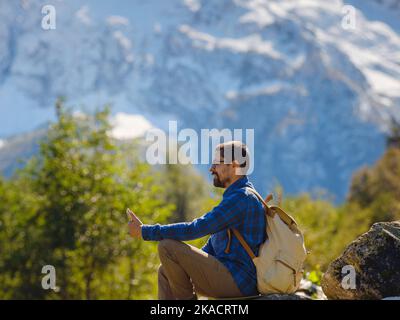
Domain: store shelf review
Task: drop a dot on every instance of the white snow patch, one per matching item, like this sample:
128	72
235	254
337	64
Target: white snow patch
193	5
2	143
122	40
383	83
368	62
78	114
262	18
270	88
129	126
83	15
117	20
252	43
126	45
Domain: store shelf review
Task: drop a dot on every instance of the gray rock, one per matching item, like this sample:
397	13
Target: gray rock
375	257
311	290
296	296
300	295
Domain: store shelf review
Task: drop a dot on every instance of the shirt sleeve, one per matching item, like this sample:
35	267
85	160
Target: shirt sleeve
227	214
208	247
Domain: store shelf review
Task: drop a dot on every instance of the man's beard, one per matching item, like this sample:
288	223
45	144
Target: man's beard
217	182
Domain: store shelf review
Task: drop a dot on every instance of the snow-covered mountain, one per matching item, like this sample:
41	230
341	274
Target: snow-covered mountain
317	80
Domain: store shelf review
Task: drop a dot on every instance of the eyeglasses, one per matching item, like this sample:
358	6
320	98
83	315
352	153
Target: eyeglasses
214	164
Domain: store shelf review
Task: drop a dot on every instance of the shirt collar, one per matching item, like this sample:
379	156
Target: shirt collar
239	183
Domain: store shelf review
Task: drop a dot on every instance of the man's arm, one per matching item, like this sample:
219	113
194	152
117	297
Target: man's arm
227	214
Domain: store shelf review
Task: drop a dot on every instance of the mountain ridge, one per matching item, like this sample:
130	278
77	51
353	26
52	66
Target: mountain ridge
319	97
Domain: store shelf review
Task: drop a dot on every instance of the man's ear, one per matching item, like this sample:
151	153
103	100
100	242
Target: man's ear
239	171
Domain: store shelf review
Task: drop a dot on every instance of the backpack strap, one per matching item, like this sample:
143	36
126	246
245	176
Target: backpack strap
288	220
244	243
272	210
264	202
269	211
228	246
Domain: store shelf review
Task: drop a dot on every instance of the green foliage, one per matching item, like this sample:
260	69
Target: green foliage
315	276
185	189
393	138
67	209
327	229
374	196
206	205
378	187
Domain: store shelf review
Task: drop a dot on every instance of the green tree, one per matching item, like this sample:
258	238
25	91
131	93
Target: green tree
186	189
393	138
67	209
378	187
327	229
21	240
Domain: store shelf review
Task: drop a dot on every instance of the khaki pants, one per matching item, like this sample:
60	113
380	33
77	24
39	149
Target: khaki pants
186	271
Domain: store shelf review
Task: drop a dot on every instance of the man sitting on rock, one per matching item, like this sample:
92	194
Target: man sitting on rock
222	268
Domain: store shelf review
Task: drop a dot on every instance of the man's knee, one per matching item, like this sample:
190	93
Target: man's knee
166	245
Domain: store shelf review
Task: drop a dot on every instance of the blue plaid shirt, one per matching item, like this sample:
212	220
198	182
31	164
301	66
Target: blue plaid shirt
238	209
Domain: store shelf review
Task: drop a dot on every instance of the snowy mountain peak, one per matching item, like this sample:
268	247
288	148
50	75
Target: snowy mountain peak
318	81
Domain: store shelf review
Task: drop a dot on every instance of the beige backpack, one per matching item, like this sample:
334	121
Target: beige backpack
280	261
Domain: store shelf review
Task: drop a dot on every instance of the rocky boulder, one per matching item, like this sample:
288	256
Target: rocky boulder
296	296
374	258
307	291
310	290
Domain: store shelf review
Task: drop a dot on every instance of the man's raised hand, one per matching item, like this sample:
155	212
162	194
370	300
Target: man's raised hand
134	225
